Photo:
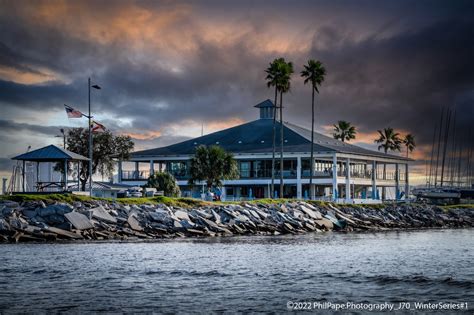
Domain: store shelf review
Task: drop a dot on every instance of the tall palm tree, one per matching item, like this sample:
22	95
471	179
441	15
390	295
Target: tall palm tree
389	140
344	131
283	85
409	142
273	78
313	73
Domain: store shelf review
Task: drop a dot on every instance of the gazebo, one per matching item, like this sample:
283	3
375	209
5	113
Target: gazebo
50	153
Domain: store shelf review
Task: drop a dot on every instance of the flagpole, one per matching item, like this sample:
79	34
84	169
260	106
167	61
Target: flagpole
90	141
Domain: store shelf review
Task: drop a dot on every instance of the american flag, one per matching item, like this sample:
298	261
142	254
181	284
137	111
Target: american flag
96	127
72	113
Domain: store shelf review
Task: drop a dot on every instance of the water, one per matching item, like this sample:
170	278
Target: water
238	273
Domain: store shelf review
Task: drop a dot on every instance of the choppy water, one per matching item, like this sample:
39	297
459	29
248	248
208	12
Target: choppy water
238	273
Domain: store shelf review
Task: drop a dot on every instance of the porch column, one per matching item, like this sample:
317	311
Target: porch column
397	182
374	180
299	186
23	175
348	180
334	177
312	188
119	177
152	167
78	175
407	183
37	175
65	175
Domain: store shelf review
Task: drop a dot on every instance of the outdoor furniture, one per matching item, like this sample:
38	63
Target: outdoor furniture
50	153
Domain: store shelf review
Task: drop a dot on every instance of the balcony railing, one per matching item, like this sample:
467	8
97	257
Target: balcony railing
143	175
135	175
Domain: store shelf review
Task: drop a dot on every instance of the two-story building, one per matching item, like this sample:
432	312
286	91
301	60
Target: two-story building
342	171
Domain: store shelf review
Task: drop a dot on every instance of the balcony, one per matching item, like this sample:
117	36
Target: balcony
135	175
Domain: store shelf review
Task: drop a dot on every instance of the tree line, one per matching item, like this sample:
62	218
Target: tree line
279	74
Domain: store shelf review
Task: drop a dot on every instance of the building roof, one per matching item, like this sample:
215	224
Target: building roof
50	153
266	103
102	186
256	137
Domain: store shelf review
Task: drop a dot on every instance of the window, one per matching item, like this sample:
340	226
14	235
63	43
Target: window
244	169
177	169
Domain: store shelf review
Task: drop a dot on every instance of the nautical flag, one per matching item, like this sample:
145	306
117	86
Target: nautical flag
72	113
96	127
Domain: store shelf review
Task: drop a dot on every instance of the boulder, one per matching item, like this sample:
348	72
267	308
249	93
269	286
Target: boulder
79	221
134	224
100	213
182	215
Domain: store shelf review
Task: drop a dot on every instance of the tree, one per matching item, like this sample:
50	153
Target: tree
344	131
389	140
283	85
212	164
274	77
164	181
313	73
105	147
409	142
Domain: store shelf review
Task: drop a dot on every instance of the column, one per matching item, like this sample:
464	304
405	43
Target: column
407	183
78	175
4	186
397	182
348	180
312	190
374	180
65	175
23	175
37	175
299	186
334	177
119	176
136	173
152	167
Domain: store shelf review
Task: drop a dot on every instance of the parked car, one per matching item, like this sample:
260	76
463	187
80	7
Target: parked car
135	192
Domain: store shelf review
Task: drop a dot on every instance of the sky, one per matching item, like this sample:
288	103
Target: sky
167	68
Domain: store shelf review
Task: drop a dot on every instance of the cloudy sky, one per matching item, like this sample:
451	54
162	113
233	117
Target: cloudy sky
167	67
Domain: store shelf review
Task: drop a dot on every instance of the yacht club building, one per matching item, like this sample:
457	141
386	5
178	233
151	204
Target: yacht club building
343	172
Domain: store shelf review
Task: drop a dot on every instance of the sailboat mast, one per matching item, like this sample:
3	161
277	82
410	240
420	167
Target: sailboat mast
439	147
452	153
458	173
432	156
445	144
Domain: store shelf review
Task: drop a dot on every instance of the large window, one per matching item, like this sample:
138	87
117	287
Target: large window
263	168
177	168
244	169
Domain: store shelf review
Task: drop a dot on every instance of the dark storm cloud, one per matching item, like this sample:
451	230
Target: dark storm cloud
10	126
404	80
389	63
6	165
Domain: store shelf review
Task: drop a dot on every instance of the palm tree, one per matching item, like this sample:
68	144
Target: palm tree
344	131
409	142
273	78
389	140
314	73
283	85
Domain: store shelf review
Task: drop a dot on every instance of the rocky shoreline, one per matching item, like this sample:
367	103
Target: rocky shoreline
39	221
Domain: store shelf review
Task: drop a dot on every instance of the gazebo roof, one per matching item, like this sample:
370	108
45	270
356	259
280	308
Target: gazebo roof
50	153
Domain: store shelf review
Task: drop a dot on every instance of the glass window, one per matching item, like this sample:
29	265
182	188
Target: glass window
244	169
178	168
